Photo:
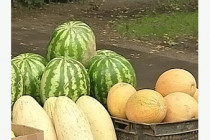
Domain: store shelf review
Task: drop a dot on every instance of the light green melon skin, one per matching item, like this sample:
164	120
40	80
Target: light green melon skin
74	39
31	67
64	76
16	84
106	69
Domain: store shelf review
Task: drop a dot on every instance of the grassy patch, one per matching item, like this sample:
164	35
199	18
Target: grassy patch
160	26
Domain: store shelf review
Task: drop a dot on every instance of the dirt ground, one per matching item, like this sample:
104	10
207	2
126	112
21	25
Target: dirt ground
31	29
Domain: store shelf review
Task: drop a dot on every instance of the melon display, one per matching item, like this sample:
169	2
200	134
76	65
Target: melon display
28	112
31	67
176	80
70	121
180	106
146	106
64	77
100	121
118	97
74	39
106	69
16	84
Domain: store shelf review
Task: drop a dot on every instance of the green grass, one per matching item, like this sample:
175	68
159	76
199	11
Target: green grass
159	26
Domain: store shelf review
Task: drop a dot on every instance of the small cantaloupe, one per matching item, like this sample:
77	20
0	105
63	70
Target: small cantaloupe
146	106
118	97
180	106
176	80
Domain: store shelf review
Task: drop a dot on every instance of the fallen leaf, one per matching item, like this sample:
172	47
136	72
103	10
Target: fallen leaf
23	44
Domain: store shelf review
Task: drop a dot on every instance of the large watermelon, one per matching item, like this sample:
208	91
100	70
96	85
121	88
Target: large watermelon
64	77
106	69
74	39
16	84
32	67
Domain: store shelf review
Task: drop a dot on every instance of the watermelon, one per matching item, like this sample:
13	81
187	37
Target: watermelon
74	39
32	67
64	76
106	69
16	84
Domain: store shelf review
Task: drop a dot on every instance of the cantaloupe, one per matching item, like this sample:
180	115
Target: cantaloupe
176	80
195	96
70	122
49	107
27	111
100	121
146	106
180	106
118	97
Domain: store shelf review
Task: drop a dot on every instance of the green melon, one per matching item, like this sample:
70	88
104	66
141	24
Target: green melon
16	84
106	69
64	77
31	67
74	39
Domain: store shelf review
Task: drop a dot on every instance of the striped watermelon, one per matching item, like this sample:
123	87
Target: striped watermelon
32	67
106	69
64	77
74	39
16	84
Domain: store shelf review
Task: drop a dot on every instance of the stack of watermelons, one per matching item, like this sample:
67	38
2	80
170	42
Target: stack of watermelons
73	67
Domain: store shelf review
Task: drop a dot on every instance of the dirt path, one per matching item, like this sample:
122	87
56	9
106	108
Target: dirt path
31	30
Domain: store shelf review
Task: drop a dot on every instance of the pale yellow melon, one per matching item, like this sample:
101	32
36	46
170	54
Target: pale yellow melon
118	97
146	106
180	106
196	95
176	80
12	134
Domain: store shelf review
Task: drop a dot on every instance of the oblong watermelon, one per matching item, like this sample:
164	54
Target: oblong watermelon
64	77
74	39
31	67
106	69
16	84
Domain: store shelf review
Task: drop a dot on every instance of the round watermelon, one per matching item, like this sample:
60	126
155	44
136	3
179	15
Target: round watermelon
106	69
16	84
74	39
31	67
64	76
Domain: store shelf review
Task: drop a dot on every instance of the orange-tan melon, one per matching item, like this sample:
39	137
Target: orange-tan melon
176	80
180	107
146	106
196	95
118	97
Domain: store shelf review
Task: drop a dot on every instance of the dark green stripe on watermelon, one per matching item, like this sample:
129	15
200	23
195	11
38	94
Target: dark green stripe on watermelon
64	76
31	66
106	69
73	39
16	84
